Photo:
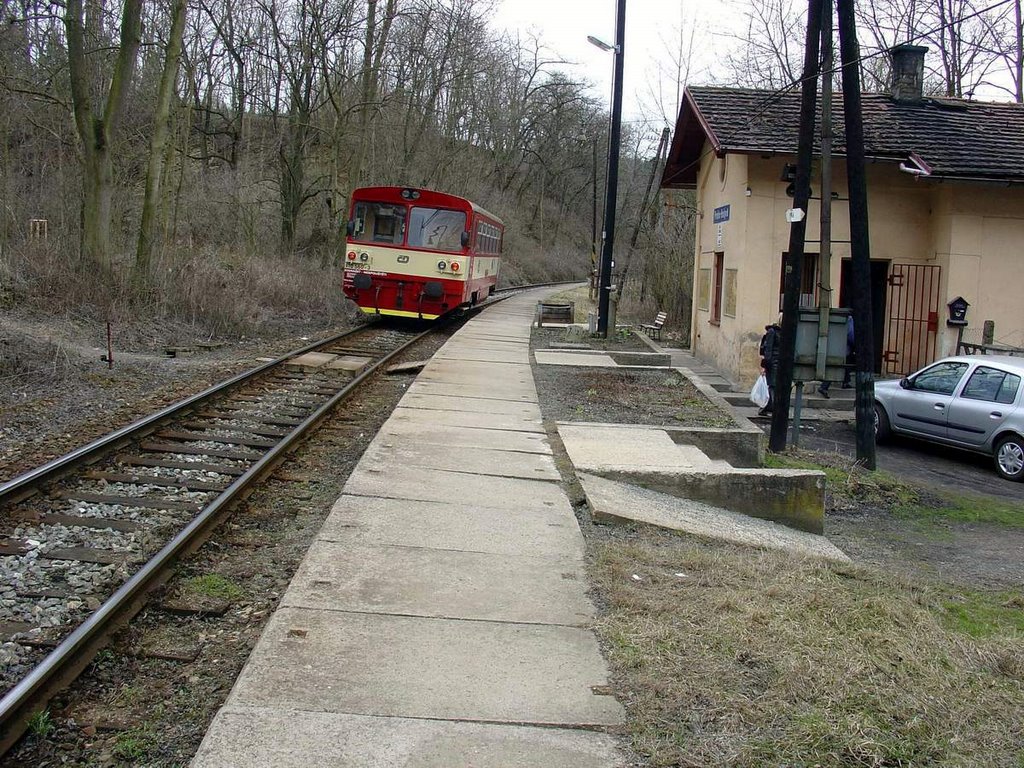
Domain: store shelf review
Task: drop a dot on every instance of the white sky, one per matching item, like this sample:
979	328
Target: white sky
652	35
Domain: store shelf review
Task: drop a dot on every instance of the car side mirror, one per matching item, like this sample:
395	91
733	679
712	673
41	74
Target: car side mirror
465	238
906	383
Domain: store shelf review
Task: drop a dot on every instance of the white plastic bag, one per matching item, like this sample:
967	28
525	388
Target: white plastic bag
759	392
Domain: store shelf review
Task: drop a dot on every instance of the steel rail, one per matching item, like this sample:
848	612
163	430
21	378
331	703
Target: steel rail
52	469
44	680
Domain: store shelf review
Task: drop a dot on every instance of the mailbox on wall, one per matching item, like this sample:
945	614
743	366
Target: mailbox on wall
957	311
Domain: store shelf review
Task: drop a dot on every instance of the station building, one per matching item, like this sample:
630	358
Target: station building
945	206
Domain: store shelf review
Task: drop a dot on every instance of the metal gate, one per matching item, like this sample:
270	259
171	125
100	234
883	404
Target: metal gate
913	305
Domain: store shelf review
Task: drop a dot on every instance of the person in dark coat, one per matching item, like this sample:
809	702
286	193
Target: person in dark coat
769	349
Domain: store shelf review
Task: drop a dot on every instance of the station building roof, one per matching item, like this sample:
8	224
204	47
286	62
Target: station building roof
944	138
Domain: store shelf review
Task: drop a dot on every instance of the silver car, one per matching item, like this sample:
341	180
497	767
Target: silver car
975	402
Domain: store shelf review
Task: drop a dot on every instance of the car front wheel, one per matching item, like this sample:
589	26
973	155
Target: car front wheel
1009	457
882	430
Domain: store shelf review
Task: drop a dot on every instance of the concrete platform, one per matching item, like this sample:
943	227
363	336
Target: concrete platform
477	420
413	581
619	502
401	666
398	482
466	437
415	399
440	613
476	461
245	737
461	527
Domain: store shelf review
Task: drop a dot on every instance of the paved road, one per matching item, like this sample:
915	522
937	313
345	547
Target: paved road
919	461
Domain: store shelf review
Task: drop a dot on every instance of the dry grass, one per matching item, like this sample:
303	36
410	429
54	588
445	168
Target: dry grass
733	657
217	292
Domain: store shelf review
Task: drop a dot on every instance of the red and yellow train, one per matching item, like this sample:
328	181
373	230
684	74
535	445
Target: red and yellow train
419	253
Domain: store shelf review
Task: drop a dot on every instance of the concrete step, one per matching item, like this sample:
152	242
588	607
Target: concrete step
614	502
651	459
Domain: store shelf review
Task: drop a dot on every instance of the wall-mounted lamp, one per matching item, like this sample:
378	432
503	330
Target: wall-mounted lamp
748	193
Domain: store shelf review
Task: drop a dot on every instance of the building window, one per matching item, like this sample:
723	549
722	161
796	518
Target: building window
716	290
808	281
704	289
730	292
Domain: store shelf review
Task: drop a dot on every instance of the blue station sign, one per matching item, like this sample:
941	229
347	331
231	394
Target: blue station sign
721	214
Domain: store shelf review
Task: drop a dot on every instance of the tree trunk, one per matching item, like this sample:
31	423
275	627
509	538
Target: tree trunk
158	141
97	132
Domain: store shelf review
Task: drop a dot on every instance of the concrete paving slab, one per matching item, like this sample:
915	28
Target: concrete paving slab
350	363
485	390
544	532
402	666
311	360
244	737
413	581
482	355
466	437
612	501
505	385
471	405
624	448
477	461
397	482
589	359
467	419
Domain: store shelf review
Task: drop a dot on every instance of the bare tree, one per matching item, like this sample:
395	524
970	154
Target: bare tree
158	140
97	129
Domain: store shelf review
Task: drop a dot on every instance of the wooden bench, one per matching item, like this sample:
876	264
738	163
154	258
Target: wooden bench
653	330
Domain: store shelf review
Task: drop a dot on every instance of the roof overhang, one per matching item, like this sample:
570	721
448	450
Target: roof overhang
684	156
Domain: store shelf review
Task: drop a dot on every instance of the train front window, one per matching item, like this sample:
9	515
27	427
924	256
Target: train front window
437	229
379	223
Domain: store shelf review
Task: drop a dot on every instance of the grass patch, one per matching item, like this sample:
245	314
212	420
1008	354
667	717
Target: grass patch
133	744
849	485
725	656
213	585
40	724
986	615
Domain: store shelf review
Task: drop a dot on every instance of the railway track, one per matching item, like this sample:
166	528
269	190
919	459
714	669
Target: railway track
86	536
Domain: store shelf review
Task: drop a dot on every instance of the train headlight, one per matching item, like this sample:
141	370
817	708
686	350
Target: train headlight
455	266
364	256
351	255
442	265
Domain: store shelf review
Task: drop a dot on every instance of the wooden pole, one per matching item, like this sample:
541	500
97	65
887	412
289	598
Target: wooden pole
859	243
797	231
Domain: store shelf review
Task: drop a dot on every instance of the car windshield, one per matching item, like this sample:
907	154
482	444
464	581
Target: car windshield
941	378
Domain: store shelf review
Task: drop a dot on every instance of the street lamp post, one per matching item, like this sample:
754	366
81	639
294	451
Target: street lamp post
605	282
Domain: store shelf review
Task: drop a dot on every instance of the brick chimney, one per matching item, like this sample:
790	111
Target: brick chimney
908	73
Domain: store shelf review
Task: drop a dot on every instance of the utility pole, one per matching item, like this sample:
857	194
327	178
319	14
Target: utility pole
825	249
863	325
605	283
797	231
